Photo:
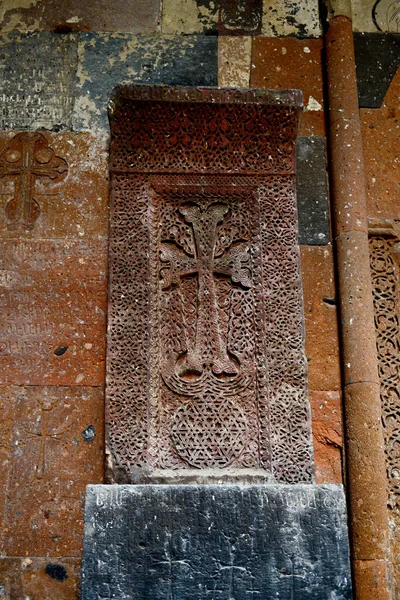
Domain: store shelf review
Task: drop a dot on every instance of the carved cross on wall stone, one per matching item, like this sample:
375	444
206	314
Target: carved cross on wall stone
27	157
209	350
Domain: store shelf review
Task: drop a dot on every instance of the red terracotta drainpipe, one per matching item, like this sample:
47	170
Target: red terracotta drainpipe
365	458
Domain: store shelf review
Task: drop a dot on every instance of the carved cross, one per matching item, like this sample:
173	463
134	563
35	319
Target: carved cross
46	407
209	350
27	157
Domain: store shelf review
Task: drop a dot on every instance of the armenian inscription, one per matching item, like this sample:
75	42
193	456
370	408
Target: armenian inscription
206	365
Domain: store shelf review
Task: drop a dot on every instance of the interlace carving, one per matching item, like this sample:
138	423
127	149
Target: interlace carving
27	157
384	253
206	365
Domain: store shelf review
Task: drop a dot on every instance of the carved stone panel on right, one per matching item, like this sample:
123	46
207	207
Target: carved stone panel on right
385	257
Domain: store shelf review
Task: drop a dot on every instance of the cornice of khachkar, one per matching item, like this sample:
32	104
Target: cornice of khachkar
204	130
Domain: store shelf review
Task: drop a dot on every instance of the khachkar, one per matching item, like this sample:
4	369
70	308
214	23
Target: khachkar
206	381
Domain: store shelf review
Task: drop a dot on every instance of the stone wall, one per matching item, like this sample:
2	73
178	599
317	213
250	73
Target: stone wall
59	63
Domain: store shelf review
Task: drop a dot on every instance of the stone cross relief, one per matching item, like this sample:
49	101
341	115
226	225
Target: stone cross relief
27	157
210	351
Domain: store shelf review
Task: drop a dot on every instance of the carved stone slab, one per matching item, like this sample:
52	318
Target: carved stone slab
206	366
216	542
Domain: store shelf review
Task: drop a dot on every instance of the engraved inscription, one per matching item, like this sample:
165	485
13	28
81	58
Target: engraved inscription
27	157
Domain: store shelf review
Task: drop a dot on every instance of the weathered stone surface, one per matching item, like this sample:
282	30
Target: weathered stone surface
381	134
234	60
50	465
7	406
133	16
327	429
312	191
62	82
377	60
281	63
75	207
215	541
322	342
53	295
375	15
37	79
189	16
44	578
110	60
291	18
240	18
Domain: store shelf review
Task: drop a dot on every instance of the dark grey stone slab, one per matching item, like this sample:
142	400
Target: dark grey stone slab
208	542
312	191
111	60
37	78
377	60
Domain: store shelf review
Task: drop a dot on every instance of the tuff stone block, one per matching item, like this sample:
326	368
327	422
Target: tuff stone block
215	541
133	16
44	578
49	466
291	18
107	61
381	133
312	191
326	408
37	80
234	59
53	295
280	63
320	312
377	60
189	16
74	206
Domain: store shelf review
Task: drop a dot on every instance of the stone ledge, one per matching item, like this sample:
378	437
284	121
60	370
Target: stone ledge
218	542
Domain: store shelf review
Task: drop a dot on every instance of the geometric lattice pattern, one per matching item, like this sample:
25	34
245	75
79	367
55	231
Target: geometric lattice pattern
206	367
386	294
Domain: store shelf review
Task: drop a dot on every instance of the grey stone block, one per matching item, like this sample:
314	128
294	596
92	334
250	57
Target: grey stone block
107	61
37	79
377	60
312	191
229	542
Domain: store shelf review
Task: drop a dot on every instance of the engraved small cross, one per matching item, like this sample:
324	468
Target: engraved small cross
27	157
209	349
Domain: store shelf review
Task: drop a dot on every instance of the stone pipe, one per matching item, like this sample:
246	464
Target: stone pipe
365	458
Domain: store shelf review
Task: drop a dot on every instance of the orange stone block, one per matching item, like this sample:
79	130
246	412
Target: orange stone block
381	134
57	449
39	578
7	404
322	340
75	207
281	63
327	430
53	298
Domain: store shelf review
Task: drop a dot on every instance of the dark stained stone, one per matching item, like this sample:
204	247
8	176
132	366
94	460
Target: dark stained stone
377	60
110	60
312	191
218	542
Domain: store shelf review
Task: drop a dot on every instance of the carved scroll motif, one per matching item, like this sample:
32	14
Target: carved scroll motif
384	255
205	275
